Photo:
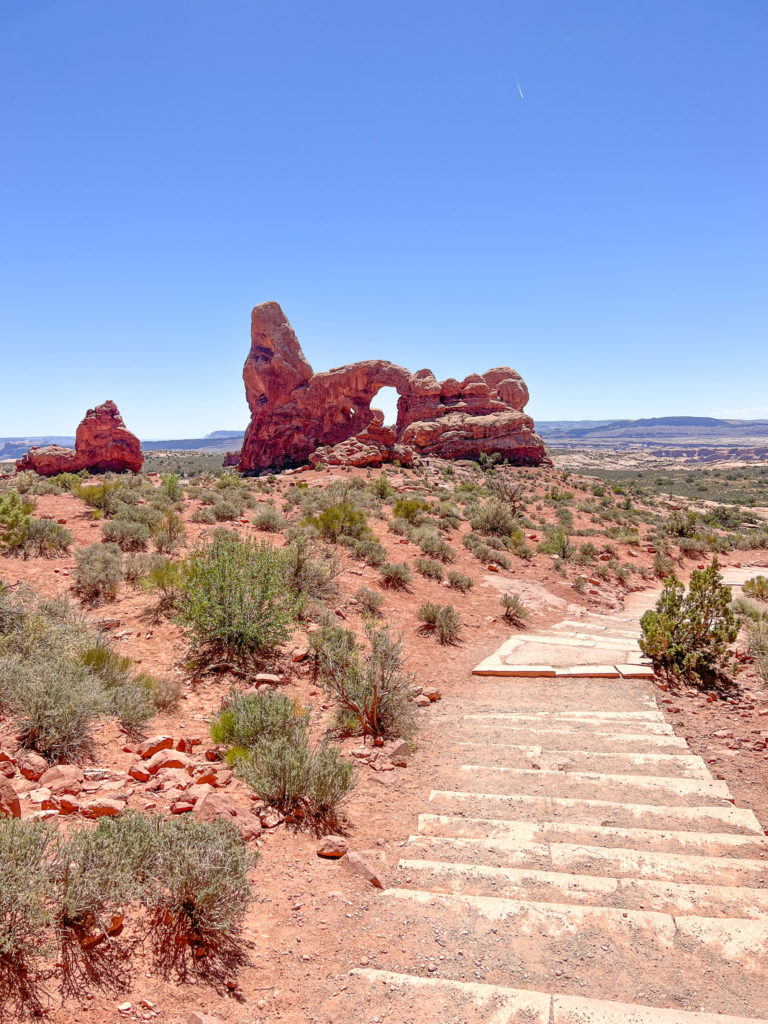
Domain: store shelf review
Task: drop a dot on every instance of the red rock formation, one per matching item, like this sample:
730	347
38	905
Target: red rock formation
102	444
298	416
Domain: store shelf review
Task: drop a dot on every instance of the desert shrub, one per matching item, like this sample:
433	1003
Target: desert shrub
747	609
170	532
757	587
757	637
372	691
98	572
46	539
514	609
411	510
448	514
199	889
54	704
493	518
370	601
586	553
688	633
432	544
235	601
440	620
663	566
165	579
164	691
268	519
683	525
171	488
298	778
557	542
396	575
400	528
381	487
309	576
343	519
691	546
128	536
226	511
24	904
138	565
104	496
459	581
371	551
145	515
250	719
429	568
203	515
14	521
579	584
94	873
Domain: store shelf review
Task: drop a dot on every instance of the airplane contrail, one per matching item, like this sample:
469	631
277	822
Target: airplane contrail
519	89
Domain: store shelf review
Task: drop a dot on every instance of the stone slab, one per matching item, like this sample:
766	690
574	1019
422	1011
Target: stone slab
629	671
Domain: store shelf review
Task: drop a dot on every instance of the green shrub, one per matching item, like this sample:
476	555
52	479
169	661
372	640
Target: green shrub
459	581
396	576
261	717
371	602
235	601
165	579
688	633
372	551
429	568
441	620
128	536
514	609
381	487
757	587
663	566
411	510
14	521
98	572
226	511
344	519
372	692
557	542
171	488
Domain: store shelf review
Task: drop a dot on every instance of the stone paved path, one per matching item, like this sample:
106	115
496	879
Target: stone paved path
577	865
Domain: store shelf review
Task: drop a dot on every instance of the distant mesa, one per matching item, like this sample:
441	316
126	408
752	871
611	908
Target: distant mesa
102	444
299	416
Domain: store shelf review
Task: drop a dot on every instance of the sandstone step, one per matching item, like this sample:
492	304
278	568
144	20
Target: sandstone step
577	715
578	858
412	998
607	762
687	841
594	812
648	789
498	721
557	886
577	1010
737	943
570	739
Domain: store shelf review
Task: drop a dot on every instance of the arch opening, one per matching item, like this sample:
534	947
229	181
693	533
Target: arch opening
385	399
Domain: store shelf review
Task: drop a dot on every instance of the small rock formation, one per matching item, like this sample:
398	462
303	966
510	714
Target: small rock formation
102	444
300	416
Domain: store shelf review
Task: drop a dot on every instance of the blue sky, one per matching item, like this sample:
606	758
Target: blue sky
168	164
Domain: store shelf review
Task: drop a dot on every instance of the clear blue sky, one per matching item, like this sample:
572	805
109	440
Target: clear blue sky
371	165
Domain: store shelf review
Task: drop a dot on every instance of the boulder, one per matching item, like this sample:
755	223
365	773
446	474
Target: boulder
332	847
102	444
9	799
299	416
32	766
